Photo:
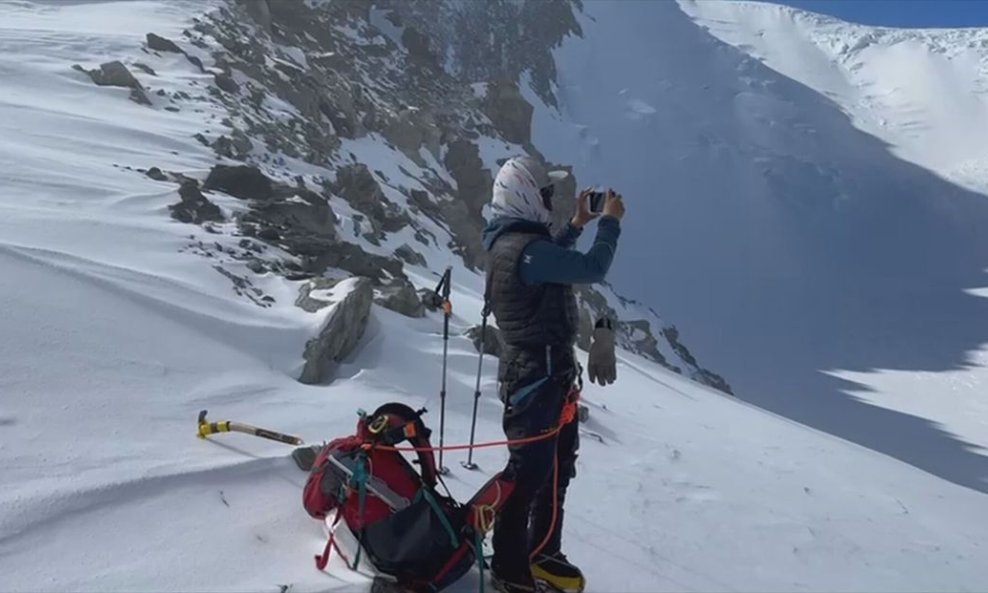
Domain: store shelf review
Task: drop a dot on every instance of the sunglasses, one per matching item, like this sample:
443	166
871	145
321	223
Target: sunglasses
547	192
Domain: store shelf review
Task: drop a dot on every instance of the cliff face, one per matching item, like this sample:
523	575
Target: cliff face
374	129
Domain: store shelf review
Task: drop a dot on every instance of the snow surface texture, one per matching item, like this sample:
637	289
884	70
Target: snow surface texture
113	339
822	261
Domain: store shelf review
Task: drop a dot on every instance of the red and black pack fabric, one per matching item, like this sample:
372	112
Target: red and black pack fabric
409	531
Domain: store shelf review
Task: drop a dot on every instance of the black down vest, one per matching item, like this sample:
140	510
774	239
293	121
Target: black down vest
533	316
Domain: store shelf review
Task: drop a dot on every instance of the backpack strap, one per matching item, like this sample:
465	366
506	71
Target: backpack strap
395	423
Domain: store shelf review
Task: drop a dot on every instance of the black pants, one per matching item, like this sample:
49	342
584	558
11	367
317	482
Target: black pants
533	405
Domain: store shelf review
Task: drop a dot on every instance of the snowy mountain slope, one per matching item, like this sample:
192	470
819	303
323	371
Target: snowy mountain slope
129	499
117	329
924	92
832	279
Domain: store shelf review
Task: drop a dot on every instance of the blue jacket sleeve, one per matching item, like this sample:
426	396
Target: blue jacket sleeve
567	236
546	261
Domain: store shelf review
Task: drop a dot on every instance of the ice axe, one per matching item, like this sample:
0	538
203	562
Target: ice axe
208	428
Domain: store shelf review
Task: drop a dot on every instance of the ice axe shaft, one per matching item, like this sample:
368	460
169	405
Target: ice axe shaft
208	428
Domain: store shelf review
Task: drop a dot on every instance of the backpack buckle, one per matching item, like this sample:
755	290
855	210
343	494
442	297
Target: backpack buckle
378	424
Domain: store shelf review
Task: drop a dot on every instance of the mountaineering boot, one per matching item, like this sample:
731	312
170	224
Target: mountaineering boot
506	580
504	586
558	573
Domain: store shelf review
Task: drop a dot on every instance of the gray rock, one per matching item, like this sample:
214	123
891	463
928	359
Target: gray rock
355	260
116	74
223	146
417	45
226	82
298	217
158	43
340	333
357	185
306	302
405	134
492	340
647	345
429	299
410	129
145	68
410	256
509	111
156	174
400	297
240	181
196	62
260	12
241	144
473	180
268	234
194	207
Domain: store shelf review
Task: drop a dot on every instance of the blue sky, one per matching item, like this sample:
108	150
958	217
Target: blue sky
902	13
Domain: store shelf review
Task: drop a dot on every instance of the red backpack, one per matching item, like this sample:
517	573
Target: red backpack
424	540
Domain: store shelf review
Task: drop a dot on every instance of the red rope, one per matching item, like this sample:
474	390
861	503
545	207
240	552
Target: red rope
568	415
555	505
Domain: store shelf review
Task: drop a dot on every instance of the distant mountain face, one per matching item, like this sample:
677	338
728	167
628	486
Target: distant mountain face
790	240
921	90
374	129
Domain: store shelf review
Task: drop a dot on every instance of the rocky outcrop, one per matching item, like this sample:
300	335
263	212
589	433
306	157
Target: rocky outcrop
493	344
357	185
400	296
702	375
638	334
341	331
226	82
509	111
410	130
319	83
156	174
353	259
410	256
260	12
314	294
117	75
240	181
158	43
194	207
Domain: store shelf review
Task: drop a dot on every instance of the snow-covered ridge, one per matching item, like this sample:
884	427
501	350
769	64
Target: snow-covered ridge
924	91
116	329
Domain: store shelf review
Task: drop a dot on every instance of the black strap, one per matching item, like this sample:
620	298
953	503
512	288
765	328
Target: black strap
444	286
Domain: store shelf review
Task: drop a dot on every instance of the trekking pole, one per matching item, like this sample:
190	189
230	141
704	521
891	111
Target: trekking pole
208	428
469	464
444	289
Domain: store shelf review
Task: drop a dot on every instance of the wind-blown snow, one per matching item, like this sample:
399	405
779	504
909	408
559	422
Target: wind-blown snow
925	92
112	340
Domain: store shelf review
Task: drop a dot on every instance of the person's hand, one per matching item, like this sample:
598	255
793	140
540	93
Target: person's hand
602	363
583	214
613	205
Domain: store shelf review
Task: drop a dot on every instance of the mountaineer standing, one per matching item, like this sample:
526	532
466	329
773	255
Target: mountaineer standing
531	273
